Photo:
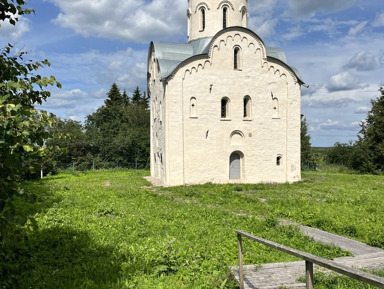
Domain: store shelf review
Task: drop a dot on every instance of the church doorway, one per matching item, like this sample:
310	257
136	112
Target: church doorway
235	166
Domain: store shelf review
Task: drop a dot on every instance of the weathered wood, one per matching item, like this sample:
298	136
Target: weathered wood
309	275
331	265
241	270
353	246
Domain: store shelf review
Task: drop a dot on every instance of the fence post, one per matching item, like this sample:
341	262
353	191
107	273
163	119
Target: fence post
241	269
136	164
73	167
93	164
309	275
41	172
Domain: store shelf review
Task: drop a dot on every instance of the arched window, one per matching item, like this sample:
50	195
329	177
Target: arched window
275	108
202	19
225	108
225	17
189	22
244	18
193	107
237	65
247	107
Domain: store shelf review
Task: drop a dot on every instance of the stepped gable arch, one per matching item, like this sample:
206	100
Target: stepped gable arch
265	53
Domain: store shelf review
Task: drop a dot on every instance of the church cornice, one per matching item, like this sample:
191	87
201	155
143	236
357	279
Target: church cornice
241	29
185	63
287	67
207	56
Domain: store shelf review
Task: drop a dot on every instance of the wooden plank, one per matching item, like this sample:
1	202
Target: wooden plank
241	270
331	265
309	275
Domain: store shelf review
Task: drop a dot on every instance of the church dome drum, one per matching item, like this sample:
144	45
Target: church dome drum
207	17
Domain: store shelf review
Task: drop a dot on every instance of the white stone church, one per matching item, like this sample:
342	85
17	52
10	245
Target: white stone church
224	107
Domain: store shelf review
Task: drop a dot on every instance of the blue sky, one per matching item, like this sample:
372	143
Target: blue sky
338	46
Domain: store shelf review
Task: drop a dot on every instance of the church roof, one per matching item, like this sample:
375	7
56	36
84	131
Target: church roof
170	55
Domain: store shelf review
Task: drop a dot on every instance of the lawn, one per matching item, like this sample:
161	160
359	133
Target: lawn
110	229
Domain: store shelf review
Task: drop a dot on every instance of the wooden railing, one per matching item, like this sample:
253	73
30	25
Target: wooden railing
309	261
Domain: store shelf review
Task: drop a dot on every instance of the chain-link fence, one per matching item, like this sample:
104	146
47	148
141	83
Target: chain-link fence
95	164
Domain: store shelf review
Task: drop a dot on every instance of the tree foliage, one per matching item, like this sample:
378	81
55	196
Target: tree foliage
341	154
119	131
305	142
23	131
11	9
370	144
70	142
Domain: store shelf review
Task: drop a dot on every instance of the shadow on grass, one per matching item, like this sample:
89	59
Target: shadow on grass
64	258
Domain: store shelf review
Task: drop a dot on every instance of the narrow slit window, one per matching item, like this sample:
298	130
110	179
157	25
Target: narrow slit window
224	107
244	17
160	113
225	16
237	58
278	160
247	107
202	19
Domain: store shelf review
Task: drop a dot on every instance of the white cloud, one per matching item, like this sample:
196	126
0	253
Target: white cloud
294	32
14	32
312	89
379	21
362	110
261	17
261	6
362	61
309	8
343	81
88	76
75	103
128	20
357	29
66	98
263	26
93	68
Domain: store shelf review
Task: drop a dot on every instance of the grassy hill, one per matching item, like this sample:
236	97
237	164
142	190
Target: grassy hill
111	229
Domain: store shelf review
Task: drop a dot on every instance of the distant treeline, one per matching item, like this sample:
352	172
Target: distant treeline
366	155
117	134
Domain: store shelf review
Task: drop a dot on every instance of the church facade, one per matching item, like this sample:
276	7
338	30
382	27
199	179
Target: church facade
224	107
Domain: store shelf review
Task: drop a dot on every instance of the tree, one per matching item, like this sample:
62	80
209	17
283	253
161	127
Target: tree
114	97
119	132
341	154
305	141
23	131
69	142
140	99
370	144
10	11
126	100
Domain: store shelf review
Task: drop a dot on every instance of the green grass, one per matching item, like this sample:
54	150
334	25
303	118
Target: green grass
108	229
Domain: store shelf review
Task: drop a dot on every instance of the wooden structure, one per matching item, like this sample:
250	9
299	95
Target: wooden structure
309	261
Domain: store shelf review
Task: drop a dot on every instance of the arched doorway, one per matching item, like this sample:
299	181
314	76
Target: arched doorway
235	166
